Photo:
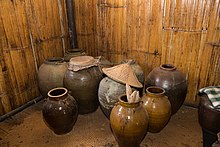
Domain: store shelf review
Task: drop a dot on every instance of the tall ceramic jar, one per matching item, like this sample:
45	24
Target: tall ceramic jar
158	108
60	111
51	74
82	79
112	86
129	122
173	81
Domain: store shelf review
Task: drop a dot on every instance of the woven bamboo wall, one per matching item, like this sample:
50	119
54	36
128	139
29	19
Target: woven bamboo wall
181	32
185	33
30	31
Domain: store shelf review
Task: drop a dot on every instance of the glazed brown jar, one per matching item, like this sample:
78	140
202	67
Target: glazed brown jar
129	122
173	81
50	74
158	108
60	111
82	79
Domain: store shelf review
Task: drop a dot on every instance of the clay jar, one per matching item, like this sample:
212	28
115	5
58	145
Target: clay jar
173	81
129	122
51	74
158	108
109	91
82	79
60	111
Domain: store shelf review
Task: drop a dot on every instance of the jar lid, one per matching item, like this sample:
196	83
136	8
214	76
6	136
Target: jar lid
123	73
82	62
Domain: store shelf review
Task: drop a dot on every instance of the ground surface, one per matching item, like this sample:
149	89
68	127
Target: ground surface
28	129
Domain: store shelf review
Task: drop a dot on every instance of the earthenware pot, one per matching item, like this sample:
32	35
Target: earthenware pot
51	74
60	111
129	122
82	79
173	81
209	120
108	93
158	108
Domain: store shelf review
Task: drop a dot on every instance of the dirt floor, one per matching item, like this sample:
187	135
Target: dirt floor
28	129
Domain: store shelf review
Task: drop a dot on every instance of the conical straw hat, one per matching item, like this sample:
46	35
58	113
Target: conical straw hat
123	73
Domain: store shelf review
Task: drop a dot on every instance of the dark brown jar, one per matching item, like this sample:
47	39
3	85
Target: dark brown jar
60	111
129	122
173	81
82	79
50	74
158	108
209	117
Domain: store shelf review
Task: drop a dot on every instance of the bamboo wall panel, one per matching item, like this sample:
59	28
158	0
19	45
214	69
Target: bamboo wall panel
184	33
30	31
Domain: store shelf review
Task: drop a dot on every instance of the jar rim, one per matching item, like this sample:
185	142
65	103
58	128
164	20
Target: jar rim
124	102
167	67
61	93
54	60
155	90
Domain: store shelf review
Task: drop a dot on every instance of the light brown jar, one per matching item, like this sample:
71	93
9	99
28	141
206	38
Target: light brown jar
129	122
158	108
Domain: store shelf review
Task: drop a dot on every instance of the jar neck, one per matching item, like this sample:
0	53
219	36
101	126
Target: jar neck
124	102
155	91
168	67
54	60
59	93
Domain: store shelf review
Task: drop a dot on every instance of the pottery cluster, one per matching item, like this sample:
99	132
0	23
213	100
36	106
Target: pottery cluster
84	83
69	88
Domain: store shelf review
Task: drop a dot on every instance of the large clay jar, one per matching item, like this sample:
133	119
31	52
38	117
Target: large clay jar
82	79
173	81
112	86
158	108
60	111
109	91
129	122
51	74
209	120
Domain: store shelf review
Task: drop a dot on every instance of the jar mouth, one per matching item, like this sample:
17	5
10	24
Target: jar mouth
167	67
57	92
74	50
124	101
155	90
54	60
